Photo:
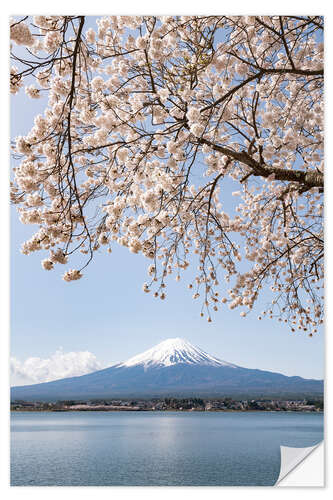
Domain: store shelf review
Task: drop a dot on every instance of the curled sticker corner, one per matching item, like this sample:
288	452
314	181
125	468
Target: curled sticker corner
291	458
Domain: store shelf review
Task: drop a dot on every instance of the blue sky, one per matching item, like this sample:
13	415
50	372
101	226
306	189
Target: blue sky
107	314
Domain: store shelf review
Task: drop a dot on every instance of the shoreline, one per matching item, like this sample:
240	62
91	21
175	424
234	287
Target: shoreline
160	411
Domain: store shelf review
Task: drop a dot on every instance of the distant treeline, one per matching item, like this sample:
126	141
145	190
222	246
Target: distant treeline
171	403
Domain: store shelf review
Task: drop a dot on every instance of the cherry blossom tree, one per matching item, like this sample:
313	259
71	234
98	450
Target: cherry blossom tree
151	123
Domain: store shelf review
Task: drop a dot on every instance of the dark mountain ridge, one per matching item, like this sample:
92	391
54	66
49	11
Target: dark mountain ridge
174	368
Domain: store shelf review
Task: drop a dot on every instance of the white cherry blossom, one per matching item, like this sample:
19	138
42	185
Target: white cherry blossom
189	140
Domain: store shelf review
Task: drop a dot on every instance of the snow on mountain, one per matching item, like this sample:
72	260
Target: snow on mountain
173	368
171	352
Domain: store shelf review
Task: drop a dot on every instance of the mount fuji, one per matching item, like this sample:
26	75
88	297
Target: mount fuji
171	352
172	368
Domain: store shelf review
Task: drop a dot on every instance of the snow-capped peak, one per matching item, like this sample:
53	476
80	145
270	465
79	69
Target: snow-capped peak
171	352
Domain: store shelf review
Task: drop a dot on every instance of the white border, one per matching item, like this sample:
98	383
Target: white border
133	7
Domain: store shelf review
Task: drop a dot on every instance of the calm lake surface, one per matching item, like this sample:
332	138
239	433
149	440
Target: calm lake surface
155	448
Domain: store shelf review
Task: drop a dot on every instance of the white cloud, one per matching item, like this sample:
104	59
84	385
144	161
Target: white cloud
58	365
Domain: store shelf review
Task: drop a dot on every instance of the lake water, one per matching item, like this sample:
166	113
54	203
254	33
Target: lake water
155	448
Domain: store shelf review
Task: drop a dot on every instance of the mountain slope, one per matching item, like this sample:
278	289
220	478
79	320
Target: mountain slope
172	368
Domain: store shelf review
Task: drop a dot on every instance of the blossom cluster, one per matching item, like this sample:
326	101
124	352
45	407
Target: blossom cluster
151	122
